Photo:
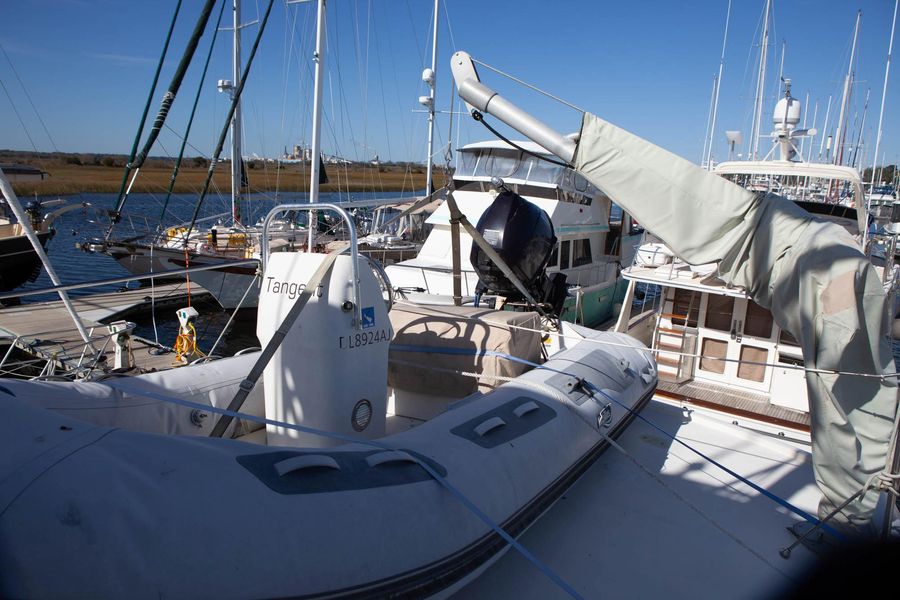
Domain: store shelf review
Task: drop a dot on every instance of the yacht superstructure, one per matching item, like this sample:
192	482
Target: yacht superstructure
593	242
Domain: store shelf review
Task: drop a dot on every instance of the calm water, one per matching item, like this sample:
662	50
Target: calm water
73	265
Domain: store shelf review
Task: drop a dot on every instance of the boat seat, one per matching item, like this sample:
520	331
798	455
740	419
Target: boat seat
434	345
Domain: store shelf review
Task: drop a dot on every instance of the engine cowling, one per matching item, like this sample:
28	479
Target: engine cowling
522	234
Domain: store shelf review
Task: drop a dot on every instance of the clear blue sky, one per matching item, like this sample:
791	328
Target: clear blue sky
646	66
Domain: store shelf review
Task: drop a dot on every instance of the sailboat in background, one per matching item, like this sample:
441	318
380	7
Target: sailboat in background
188	245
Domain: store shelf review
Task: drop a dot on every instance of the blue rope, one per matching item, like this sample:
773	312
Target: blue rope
592	389
559	581
777	499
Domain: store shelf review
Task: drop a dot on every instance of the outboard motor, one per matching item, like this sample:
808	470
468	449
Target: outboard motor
522	234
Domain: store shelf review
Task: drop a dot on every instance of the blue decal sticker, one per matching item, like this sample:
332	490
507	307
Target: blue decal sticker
368	317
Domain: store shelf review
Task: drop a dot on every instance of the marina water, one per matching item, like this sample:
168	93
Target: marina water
73	265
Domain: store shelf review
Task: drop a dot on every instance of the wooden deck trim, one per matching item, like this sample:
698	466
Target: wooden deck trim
731	410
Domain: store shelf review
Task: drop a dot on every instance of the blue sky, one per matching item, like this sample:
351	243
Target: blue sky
645	66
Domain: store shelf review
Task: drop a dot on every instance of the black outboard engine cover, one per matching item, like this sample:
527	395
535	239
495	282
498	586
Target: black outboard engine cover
522	235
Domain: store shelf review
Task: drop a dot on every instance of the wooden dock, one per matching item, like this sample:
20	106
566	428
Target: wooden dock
45	332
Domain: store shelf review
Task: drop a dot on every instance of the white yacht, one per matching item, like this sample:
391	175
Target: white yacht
594	237
715	345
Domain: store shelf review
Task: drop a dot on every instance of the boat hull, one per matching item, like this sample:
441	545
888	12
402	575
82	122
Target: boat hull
125	513
227	285
19	262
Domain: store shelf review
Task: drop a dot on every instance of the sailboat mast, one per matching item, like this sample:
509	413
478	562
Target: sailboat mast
316	147
712	126
845	99
760	86
887	71
236	161
855	161
825	129
432	84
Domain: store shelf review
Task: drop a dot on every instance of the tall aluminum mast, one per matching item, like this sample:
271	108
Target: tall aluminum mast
712	125
845	98
887	71
230	87
316	147
430	78
760	87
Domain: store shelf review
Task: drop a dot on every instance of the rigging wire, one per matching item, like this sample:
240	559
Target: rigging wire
236	98
137	138
30	101
18	116
190	122
529	86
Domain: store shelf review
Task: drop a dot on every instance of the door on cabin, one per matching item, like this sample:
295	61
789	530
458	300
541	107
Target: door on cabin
736	342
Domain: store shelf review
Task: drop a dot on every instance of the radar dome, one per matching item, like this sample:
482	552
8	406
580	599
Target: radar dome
787	112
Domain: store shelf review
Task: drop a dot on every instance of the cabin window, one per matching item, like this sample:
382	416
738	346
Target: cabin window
718	312
790	360
500	163
581	184
785	337
554	256
685	303
545	172
752	366
713	349
758	322
581	252
467	163
564	262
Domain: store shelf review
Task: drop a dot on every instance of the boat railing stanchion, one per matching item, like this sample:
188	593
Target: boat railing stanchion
310	207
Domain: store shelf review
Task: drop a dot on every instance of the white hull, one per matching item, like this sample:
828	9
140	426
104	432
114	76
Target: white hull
227	285
112	511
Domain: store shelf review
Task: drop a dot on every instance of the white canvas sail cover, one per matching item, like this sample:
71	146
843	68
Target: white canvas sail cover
808	272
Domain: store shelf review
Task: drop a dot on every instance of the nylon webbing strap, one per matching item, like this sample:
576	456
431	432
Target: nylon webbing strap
268	352
435	195
456	214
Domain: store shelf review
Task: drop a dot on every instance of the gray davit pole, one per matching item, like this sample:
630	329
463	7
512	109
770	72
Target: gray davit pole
7	191
479	97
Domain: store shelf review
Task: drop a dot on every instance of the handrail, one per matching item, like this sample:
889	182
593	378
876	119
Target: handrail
351	228
111	280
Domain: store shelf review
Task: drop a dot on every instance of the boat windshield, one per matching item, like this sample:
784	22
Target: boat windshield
512	164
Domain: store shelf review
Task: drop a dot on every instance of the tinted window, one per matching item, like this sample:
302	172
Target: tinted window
718	312
581	252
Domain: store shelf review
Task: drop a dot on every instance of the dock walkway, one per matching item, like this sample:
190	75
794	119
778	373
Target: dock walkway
45	331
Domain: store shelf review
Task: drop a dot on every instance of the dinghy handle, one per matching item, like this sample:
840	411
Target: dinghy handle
305	461
351	228
524	409
389	456
490	425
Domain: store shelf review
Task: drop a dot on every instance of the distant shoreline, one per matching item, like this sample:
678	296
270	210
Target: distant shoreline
80	173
